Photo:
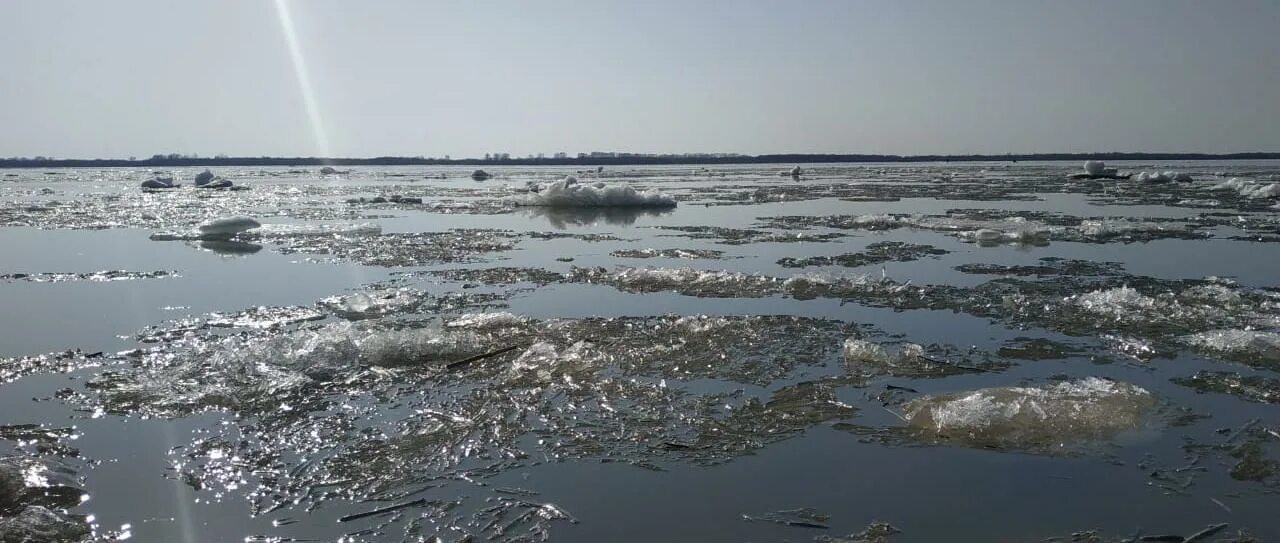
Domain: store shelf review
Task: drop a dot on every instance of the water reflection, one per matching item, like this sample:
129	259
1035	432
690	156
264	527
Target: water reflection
230	247
565	217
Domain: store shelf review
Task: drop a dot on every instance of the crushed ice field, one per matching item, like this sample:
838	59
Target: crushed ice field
878	352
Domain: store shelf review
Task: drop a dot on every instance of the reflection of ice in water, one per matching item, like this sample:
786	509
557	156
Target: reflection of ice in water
230	247
564	217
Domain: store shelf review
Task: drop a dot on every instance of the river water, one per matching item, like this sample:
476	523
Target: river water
405	354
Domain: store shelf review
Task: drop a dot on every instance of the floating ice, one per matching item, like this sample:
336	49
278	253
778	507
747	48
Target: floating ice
1108	228
328	170
863	357
668	253
100	276
211	230
480	175
859	351
235	373
1249	188
1098	167
228	226
364	305
796	171
873	221
569	193
688	279
1254	388
811	285
204	177
216	183
27	486
1019	234
501	319
39	524
1265	345
12	482
875	253
1163	177
356	229
159	183
1118	303
1031	417
729	284
543	362
977	227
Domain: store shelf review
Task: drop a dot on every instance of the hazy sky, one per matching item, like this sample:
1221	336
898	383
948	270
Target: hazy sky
112	79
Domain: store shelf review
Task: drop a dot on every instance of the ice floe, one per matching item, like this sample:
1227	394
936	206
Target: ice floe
228	226
1255	343
159	183
1029	417
371	304
568	192
1249	188
1163	177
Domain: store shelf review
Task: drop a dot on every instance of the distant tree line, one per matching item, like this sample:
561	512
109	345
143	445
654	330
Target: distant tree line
594	159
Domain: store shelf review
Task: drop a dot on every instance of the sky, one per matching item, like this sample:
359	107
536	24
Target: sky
85	79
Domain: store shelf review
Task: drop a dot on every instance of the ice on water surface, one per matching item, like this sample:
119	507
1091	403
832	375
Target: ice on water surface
228	225
1250	188
1263	344
1029	417
569	192
478	334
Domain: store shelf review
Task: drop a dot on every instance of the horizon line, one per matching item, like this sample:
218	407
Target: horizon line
611	158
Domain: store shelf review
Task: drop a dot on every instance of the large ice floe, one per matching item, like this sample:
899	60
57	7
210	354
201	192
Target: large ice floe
160	182
372	303
221	229
988	229
40	524
228	226
338	229
1047	416
1249	188
1117	303
1255	344
1096	169
34	496
568	192
731	284
276	365
393	409
1163	177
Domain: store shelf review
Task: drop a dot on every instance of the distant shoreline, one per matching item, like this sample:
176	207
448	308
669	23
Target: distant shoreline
629	160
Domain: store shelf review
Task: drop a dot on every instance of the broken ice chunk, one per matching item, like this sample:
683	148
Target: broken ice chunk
1030	417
